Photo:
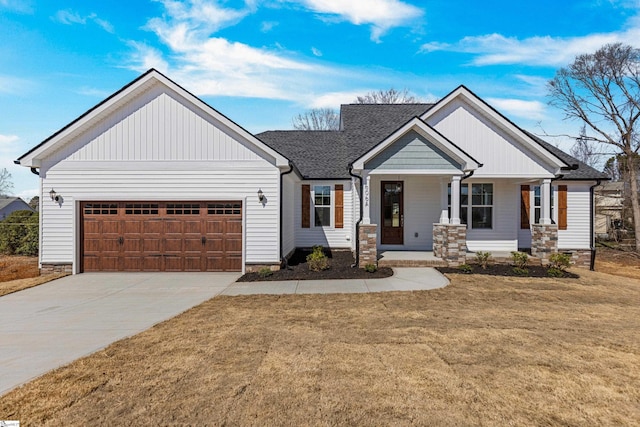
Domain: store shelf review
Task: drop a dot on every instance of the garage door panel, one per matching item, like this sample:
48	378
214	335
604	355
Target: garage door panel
162	236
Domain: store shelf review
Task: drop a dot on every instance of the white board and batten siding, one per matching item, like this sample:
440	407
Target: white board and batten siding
500	153
158	147
331	237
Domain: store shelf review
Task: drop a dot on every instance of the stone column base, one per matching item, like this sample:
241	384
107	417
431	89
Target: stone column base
450	243
544	241
579	257
368	245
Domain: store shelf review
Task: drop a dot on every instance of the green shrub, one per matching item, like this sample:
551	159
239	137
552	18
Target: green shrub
317	260
370	268
520	260
465	268
559	261
265	272
483	259
519	271
19	234
555	272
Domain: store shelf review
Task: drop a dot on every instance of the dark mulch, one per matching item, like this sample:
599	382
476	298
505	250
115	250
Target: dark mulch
339	268
504	270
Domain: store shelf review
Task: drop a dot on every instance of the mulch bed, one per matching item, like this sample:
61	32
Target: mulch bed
339	268
504	270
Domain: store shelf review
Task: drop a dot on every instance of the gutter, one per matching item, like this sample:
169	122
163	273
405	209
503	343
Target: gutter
283	261
360	218
592	238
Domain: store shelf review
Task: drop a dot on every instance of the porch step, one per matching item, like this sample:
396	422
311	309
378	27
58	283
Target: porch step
411	263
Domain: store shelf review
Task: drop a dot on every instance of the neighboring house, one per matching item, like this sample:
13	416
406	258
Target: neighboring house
155	179
609	201
12	204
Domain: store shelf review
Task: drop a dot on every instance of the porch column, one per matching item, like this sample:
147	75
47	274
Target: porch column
366	198
545	195
455	200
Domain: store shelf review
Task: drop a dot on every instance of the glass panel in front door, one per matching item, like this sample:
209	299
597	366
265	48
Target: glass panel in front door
392	211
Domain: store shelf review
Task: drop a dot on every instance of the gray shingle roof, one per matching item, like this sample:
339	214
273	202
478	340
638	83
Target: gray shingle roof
327	154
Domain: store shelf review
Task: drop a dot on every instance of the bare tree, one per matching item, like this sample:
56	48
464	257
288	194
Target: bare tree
389	96
603	90
584	149
5	182
317	119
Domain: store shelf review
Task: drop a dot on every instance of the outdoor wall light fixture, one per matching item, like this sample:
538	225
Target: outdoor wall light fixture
54	196
260	195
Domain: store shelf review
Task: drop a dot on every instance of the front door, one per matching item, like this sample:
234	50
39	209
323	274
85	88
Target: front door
392	213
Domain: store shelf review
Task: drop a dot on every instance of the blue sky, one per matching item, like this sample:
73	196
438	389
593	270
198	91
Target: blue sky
260	62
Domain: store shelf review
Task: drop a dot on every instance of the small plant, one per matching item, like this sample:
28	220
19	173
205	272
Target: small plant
465	268
265	272
555	272
519	271
317	260
559	261
483	259
370	268
520	260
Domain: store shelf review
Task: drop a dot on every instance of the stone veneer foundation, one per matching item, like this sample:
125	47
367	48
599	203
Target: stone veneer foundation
450	243
368	241
56	268
579	257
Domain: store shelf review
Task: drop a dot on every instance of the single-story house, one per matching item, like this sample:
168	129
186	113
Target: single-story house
155	179
12	204
609	201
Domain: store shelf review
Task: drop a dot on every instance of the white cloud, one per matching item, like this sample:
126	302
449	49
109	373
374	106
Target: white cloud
27	195
21	6
494	49
380	14
267	26
532	110
202	16
316	51
11	84
89	91
334	99
7	143
69	17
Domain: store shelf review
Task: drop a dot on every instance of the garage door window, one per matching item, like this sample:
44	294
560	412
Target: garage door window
101	209
141	209
224	209
183	208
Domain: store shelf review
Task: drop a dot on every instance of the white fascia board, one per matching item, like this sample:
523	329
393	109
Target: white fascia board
438	172
468	163
130	91
493	115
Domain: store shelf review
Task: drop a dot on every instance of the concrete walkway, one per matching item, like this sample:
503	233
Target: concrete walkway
51	325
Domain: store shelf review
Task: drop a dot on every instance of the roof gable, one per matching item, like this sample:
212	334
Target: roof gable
149	81
502	126
434	138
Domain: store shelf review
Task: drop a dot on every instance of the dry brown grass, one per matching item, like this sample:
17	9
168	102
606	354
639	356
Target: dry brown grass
482	351
21	272
617	262
18	267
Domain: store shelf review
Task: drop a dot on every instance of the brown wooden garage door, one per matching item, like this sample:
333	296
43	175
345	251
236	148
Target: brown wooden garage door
161	236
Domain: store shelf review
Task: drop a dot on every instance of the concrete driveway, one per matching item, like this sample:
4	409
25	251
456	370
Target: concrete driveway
45	327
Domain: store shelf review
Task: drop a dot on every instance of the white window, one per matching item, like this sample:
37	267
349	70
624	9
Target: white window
476	212
537	205
322	205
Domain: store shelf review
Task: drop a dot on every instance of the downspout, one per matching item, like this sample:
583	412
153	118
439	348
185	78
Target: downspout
360	218
35	172
283	262
592	264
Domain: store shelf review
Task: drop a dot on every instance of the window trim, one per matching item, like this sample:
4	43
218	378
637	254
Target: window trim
469	206
331	205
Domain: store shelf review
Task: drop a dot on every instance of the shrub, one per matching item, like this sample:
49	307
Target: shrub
265	272
519	271
317	260
465	268
559	261
370	268
483	259
19	234
555	272
520	260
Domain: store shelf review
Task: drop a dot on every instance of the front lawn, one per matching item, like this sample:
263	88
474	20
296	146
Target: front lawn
485	350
